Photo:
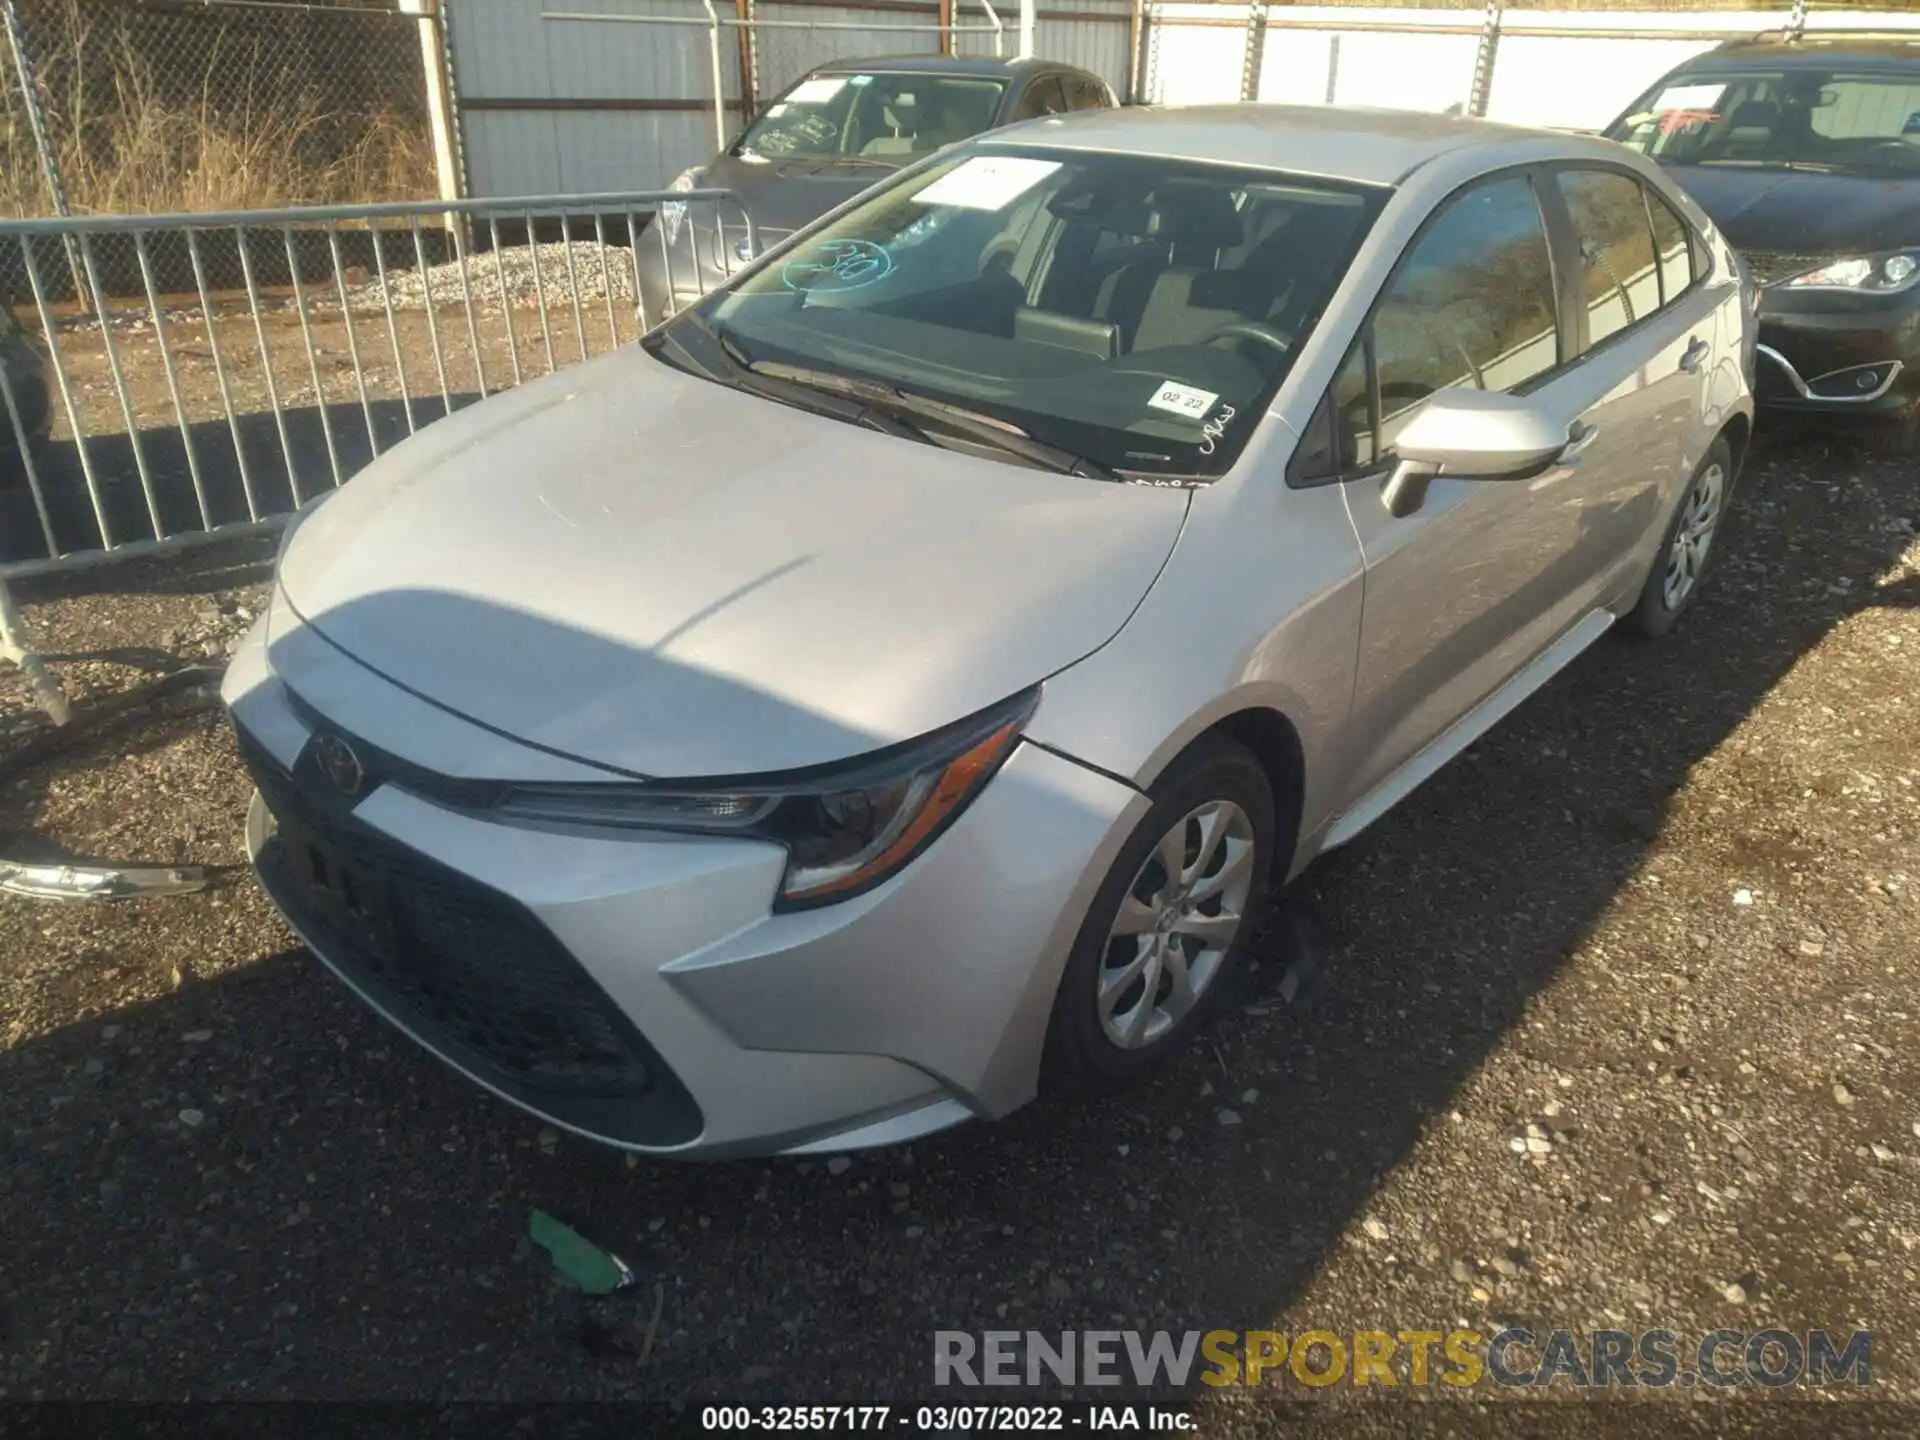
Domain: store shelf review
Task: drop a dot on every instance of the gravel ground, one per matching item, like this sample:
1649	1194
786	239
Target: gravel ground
1668	915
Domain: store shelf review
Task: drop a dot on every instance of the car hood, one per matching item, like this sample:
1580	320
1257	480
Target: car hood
1805	212
651	572
783	195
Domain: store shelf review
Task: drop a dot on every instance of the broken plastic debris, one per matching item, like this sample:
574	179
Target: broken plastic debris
576	1259
100	882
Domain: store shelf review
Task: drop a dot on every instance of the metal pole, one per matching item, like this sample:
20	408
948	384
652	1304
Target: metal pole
43	147
713	57
1796	22
1135	20
1255	52
1483	61
1026	29
1150	86
1333	68
749	61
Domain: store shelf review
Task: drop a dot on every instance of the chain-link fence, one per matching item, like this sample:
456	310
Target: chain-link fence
185	105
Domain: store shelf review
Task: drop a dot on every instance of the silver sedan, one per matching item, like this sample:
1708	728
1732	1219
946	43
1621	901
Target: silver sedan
893	688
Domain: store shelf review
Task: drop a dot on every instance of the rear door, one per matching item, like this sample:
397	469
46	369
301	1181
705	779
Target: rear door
1643	336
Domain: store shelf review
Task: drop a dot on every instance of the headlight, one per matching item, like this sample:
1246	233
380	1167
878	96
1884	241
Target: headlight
672	212
846	828
1881	273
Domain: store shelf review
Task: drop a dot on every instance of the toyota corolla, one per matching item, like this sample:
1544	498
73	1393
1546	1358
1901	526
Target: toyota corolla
889	691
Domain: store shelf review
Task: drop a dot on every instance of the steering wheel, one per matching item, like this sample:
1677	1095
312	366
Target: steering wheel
1251	330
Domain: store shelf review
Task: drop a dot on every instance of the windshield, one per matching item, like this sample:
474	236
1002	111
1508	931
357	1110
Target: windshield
1864	123
895	118
1135	311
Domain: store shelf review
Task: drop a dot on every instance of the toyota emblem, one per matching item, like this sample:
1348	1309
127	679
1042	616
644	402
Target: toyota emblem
340	764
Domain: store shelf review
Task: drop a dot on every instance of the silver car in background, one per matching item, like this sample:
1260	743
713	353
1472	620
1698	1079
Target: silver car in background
892	689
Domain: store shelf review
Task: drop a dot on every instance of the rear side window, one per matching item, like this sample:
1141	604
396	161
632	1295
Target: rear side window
1472	304
1618	282
1672	248
1085	93
1042	98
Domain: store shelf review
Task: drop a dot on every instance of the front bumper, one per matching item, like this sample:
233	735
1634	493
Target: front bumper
638	989
1839	354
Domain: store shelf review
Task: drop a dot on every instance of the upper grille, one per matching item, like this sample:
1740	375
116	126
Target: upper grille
1772	266
468	970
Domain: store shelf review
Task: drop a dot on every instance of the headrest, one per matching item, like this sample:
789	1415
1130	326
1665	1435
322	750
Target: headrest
1196	214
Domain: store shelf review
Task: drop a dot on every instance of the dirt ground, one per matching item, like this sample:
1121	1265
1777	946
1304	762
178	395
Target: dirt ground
1668	913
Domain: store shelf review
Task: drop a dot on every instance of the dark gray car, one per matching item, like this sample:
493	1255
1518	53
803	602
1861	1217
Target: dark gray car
832	134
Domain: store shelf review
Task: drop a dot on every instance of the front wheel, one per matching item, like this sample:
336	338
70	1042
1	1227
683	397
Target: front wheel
1169	925
1682	562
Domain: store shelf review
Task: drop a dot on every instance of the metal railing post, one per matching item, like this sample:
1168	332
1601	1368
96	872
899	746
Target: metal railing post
1255	52
42	145
1797	22
1484	60
1333	68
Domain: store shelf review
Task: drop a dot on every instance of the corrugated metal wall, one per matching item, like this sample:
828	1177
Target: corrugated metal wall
550	104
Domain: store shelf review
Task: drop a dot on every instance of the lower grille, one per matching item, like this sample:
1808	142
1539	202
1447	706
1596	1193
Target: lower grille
468	970
1770	267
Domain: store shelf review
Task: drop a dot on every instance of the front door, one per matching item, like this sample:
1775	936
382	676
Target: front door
1467	589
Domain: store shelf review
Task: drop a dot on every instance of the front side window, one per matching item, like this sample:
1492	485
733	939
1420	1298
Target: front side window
1618	281
896	117
1471	305
1108	305
1860	123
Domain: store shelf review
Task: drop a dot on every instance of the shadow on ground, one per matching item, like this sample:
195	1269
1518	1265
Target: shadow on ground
274	461
346	1218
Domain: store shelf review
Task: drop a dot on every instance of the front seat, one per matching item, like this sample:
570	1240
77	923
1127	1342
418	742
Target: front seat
902	119
1190	299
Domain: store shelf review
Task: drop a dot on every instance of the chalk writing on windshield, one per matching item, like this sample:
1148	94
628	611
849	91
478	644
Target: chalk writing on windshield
837	265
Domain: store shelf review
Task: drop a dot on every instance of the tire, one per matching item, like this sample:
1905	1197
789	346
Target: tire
1677	575
1085	1053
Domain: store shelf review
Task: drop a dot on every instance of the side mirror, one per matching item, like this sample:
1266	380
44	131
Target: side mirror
1474	435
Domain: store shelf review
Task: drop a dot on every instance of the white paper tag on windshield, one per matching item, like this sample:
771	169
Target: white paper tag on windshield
1689	97
1183	400
816	92
987	182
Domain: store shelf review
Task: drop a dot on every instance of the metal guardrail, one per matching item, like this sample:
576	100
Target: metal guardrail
177	407
184	378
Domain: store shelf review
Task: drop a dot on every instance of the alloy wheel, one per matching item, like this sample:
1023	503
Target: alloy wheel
1693	537
1176	925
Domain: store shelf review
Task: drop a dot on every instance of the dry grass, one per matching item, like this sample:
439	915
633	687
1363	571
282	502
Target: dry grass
249	139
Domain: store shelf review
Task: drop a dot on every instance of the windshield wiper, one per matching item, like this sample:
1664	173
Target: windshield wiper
974	425
737	370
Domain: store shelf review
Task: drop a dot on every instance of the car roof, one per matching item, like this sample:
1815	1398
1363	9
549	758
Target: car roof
940	65
1372	147
1812	52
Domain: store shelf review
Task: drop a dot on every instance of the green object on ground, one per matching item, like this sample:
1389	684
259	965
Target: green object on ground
576	1259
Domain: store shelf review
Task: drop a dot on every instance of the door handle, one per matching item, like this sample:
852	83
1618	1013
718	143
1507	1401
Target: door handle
1579	436
1695	356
